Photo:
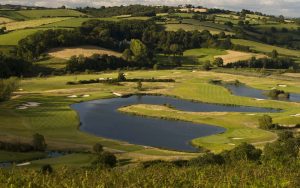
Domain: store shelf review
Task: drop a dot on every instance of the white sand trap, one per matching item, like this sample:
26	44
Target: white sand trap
237	138
22	108
282	85
117	94
23	164
20	89
32	104
260	99
84	96
72	96
102	79
251	114
296	115
231	144
274	88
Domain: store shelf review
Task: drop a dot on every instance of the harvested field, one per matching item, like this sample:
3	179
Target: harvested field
234	56
4	20
66	53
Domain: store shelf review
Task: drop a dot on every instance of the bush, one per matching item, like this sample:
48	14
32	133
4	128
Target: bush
245	152
265	122
206	159
39	142
106	159
121	77
46	169
98	148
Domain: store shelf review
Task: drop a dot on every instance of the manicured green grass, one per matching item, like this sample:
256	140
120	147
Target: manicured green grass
74	160
204	54
32	14
6	156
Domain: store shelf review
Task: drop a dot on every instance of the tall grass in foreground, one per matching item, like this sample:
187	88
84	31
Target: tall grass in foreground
241	174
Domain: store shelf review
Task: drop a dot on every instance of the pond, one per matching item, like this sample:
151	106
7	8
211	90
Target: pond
245	91
101	118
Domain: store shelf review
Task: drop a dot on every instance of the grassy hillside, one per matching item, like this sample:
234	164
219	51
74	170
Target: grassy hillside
12	38
265	48
50	13
31	23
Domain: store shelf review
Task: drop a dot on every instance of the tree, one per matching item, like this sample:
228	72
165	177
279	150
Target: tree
39	142
46	169
106	159
121	77
244	151
138	49
139	85
274	54
285	149
98	148
265	122
218	62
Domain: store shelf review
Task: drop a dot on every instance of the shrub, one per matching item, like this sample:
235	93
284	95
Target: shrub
265	122
244	151
106	159
46	169
98	148
206	159
39	142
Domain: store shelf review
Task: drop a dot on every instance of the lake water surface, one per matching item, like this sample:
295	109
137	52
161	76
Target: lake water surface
101	118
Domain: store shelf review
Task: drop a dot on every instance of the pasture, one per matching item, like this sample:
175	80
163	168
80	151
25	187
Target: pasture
33	14
12	38
66	53
4	20
235	56
204	54
31	23
265	48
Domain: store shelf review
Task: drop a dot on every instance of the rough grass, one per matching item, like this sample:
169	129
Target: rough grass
31	23
66	53
32	14
234	56
55	63
190	27
265	48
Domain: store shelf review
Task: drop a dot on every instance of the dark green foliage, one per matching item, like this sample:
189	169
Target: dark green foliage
16	147
284	150
265	122
206	66
275	94
39	142
207	159
46	169
106	159
12	66
244	152
98	148
277	63
121	77
134	10
218	62
7	87
97	63
139	86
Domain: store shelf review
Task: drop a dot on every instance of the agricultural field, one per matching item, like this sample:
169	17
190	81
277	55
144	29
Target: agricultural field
12	38
31	23
34	14
265	48
4	20
66	53
234	56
